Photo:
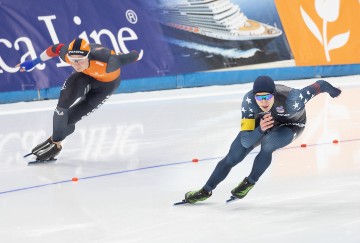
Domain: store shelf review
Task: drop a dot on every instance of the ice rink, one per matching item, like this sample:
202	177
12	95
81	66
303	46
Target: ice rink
133	160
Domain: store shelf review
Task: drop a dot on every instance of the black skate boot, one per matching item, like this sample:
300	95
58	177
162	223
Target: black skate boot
196	196
242	189
49	152
42	145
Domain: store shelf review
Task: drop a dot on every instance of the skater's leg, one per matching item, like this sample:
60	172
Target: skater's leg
96	96
275	139
75	87
236	154
72	89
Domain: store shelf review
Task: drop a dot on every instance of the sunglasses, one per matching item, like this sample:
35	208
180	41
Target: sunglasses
264	97
77	59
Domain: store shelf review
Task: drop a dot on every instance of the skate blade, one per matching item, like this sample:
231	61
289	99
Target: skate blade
180	203
231	199
26	155
38	161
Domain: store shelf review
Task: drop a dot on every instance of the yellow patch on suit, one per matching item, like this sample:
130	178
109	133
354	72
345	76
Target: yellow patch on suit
247	124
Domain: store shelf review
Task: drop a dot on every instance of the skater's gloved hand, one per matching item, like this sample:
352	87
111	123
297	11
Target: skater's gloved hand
28	65
266	122
135	53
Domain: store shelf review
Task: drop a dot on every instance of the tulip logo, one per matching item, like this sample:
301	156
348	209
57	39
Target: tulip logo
328	10
322	32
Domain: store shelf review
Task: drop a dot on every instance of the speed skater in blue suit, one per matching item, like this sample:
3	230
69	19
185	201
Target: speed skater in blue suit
273	116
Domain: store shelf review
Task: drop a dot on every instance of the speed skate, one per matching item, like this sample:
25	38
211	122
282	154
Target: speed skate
39	161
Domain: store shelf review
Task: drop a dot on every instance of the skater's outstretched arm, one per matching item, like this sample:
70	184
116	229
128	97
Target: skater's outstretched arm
52	51
299	97
118	60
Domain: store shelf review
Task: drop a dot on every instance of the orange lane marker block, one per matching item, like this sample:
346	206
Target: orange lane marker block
303	145
195	160
335	141
75	179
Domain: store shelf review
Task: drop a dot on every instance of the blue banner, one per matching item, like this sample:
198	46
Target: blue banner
173	36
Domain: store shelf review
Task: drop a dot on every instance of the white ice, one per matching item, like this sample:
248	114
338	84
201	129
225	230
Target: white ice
133	158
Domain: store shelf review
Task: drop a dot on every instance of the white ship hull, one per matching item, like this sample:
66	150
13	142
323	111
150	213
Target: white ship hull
243	43
216	23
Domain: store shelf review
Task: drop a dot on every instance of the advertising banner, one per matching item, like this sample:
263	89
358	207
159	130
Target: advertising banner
172	36
322	32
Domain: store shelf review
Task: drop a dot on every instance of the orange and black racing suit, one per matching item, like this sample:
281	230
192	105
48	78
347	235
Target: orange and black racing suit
93	86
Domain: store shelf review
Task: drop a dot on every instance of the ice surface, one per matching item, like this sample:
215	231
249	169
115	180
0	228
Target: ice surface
133	158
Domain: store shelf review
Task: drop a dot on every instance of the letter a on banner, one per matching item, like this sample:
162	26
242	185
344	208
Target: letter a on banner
322	32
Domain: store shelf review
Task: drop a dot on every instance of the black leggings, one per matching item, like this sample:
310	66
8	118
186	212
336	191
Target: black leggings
277	138
80	96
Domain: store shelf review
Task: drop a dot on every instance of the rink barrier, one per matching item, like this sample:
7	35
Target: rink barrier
198	79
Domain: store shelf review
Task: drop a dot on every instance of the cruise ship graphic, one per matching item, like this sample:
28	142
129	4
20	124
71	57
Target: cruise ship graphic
218	23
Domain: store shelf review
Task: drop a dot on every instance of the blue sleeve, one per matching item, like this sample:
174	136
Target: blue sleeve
249	138
28	65
297	98
295	101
